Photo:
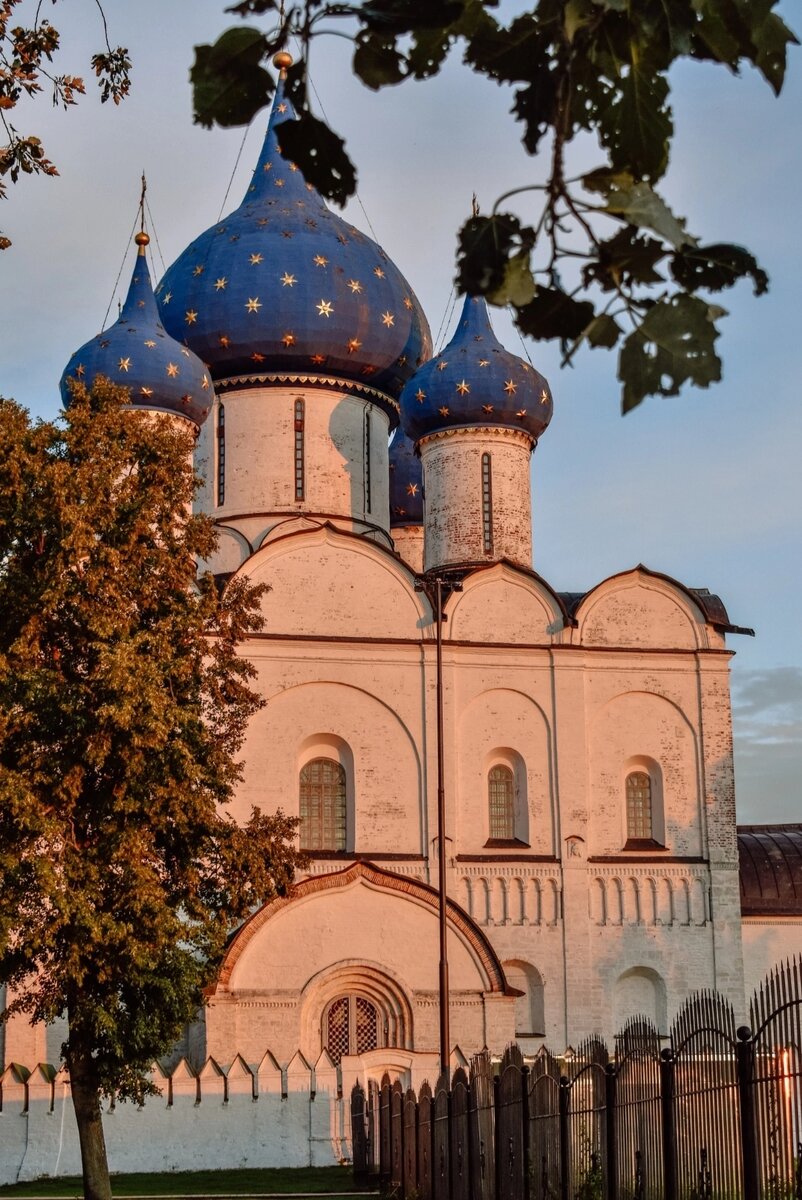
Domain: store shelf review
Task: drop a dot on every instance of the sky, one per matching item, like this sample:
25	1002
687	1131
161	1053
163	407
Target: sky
705	487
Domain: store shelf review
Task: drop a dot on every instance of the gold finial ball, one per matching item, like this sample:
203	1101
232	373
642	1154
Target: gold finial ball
142	239
282	60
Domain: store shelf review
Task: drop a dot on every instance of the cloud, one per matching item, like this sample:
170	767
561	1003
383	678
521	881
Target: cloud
767	729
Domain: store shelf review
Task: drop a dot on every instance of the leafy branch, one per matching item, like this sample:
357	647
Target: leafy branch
601	260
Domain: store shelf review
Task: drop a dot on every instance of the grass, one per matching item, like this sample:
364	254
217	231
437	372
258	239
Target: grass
324	1181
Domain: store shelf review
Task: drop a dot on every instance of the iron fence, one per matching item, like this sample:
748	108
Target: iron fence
707	1112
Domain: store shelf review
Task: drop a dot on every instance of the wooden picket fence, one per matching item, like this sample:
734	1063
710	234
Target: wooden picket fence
710	1111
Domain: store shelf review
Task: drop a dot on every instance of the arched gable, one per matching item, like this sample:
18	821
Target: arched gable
503	603
640	608
326	583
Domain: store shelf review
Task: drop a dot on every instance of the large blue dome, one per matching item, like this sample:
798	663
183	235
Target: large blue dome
282	288
137	353
406	482
475	381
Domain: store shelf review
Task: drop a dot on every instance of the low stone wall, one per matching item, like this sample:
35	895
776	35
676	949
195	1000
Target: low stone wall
240	1115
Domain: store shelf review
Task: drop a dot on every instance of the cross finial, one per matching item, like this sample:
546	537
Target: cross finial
474	206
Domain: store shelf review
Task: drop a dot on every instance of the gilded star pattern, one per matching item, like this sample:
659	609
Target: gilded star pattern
288	280
355	285
318	359
388	319
257	358
441	366
289	339
420	395
484	362
544	397
354	344
412	489
146	391
378	272
463	388
325	308
191	316
167	297
487	408
279	182
256	258
185	352
321	260
172	370
521	412
225	341
254	304
282	108
443	412
286	233
407	302
220	284
510	388
205	383
124	364
80	371
198	270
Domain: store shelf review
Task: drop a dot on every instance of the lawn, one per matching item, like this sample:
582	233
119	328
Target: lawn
299	1181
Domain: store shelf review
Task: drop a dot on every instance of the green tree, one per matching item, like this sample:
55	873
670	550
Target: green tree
596	258
26	58
123	705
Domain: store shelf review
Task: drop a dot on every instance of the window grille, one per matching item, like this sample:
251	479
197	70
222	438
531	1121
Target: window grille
639	805
322	805
221	455
351	1026
501	788
367	460
299	450
487	505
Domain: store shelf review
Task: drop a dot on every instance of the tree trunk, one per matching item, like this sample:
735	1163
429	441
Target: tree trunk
86	1102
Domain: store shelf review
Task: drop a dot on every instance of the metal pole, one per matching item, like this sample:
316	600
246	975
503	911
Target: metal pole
445	1051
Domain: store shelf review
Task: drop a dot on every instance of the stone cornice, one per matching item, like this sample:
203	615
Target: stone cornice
363	390
498	431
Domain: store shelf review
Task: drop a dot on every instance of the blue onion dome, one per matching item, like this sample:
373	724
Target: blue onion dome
406	482
475	381
137	353
283	290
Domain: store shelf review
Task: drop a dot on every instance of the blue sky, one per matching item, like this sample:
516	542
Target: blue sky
705	487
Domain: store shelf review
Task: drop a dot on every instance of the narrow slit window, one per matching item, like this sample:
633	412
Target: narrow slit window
639	806
299	450
487	505
367	460
501	798
221	455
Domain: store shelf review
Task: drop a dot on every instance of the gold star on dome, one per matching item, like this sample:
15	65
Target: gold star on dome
544	397
167	297
124	364
441	366
172	370
443	412
510	388
463	388
80	371
318	359
487	408
257	357
198	270
309	187
310	221
342	239
268	166
420	395
355	285
225	341
484	362
354	344
278	182
412	489
321	260
191	316
254	304
289	339
293	167
286	233
325	308
378	272
262	222
388	319
140	303
149	343
368	370
402	360
288	280
525	367
256	258
521	412
146	391
407	302
205	383
220	284
282	108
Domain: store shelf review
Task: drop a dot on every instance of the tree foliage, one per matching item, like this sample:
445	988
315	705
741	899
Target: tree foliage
26	58
123	704
598	258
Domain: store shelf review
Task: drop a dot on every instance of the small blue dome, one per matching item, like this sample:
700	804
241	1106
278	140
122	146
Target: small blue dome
406	482
475	381
137	353
282	288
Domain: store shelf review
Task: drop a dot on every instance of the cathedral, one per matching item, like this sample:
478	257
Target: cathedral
594	866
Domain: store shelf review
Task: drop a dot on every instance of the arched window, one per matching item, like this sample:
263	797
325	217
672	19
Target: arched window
639	806
351	1026
322	805
501	801
221	455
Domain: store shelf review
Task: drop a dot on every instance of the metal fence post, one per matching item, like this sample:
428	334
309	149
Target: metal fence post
527	1155
667	1124
611	1131
565	1138
745	1053
358	1138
